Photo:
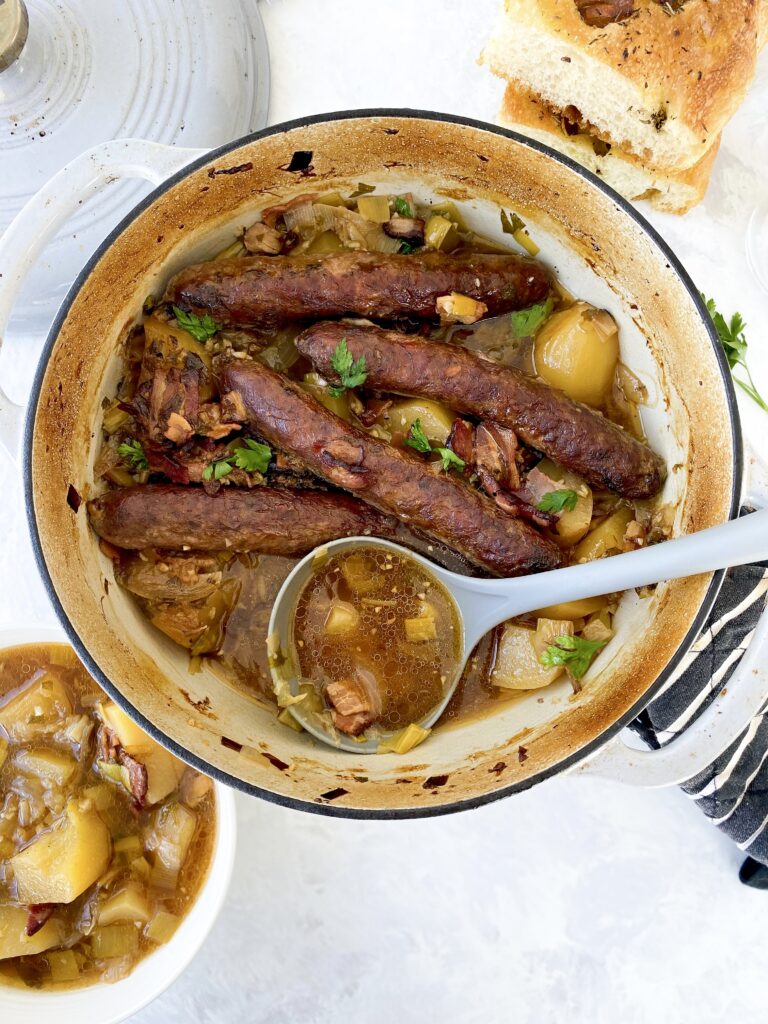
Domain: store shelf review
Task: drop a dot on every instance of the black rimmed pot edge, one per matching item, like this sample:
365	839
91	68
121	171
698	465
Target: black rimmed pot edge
331	810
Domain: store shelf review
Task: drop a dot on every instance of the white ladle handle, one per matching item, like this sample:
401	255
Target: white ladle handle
720	724
38	221
734	543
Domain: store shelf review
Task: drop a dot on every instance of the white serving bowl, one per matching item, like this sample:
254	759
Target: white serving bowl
112	1003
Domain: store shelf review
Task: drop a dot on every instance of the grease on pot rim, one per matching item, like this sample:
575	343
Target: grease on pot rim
377	637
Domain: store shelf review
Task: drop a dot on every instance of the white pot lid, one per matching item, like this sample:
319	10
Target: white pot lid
195	74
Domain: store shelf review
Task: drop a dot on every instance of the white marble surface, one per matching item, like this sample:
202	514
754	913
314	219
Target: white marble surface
579	901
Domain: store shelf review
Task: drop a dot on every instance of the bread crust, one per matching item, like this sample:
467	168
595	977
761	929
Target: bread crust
678	76
672	191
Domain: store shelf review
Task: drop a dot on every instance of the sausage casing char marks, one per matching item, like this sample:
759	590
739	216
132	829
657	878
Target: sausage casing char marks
260	290
272	521
578	437
394	481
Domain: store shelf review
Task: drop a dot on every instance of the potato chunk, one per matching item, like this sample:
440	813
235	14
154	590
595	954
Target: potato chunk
459	309
435	419
163	769
375	208
517	664
14	940
62	862
577	351
129	905
572	609
573	523
47	764
47	698
607	538
420	630
342	618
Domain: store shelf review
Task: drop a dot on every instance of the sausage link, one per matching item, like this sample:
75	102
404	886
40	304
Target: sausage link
258	290
576	436
392	480
268	520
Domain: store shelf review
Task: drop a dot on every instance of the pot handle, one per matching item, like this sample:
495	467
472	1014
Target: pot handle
722	722
38	221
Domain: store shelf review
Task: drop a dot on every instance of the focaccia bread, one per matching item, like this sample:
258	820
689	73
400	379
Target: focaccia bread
659	80
673	191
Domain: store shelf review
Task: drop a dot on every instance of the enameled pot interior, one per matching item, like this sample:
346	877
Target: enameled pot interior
602	253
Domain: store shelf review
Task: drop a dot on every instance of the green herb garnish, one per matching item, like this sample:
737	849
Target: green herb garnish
450	460
406	248
558	501
734	344
201	328
573	652
217	470
403	207
418	439
511	223
351	372
362	190
526	322
251	456
132	452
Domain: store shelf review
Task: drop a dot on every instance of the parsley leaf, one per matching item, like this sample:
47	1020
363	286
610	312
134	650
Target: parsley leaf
132	452
511	223
526	322
406	248
450	460
573	652
351	372
201	328
252	457
734	344
418	439
217	470
558	501
403	207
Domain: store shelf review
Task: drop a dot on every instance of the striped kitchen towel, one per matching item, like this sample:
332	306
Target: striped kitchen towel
733	791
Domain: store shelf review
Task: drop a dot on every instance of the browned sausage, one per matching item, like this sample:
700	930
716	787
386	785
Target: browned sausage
258	290
395	481
264	519
575	435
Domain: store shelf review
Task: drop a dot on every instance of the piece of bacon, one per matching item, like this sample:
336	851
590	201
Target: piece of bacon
137	777
461	441
272	214
516	505
374	410
352	710
37	915
495	453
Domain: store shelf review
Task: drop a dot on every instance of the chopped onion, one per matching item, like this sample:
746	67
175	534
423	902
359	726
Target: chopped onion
354	231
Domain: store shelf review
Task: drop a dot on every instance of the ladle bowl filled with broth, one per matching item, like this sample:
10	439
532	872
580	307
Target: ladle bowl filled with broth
364	644
115	857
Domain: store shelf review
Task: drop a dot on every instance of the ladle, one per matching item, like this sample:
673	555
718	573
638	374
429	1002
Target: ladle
482	604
